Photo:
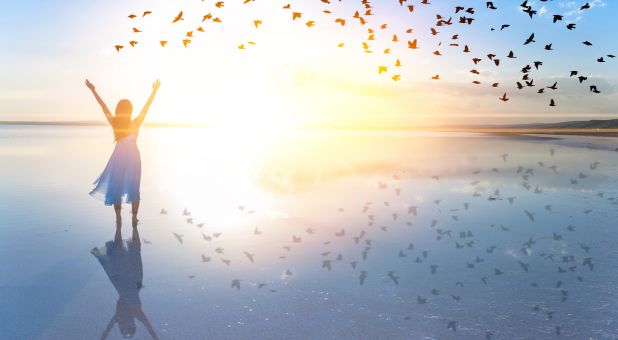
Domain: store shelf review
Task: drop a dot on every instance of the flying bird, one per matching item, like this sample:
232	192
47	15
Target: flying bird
178	18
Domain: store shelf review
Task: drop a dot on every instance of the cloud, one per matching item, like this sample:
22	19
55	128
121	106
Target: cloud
543	10
567	4
576	13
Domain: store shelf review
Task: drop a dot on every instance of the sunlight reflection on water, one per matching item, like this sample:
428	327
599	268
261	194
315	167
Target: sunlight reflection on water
389	207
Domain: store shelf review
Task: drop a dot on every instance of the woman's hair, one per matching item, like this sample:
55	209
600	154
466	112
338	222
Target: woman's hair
122	119
125	319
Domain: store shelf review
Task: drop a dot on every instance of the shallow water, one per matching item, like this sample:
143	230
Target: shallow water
470	202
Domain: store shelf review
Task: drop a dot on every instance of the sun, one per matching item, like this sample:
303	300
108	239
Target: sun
248	108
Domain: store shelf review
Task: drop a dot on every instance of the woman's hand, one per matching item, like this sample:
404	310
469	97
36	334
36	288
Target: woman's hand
142	115
89	85
106	112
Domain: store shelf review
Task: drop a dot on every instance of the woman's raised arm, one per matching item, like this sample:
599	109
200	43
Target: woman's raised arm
108	114
108	328
142	115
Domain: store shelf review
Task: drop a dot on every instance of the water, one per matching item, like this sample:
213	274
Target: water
53	287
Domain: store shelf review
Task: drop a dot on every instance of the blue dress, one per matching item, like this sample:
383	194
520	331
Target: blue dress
122	262
120	180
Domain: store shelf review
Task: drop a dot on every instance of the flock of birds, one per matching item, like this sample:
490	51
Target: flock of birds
527	80
565	251
442	20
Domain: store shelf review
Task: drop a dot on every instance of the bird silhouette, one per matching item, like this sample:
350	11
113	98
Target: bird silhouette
178	17
236	284
392	275
178	237
249	256
362	277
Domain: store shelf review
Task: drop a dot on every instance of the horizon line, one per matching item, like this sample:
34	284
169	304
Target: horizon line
86	123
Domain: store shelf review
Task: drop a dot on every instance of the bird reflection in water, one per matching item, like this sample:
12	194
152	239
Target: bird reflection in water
122	262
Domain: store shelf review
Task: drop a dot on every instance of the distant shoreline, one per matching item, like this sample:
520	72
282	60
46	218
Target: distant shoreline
536	131
522	131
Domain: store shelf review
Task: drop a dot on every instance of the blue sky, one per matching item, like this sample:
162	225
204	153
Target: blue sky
53	46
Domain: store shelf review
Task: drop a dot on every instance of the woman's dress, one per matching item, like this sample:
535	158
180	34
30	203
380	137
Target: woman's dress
120	180
122	262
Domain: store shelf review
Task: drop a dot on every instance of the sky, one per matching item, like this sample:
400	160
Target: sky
299	76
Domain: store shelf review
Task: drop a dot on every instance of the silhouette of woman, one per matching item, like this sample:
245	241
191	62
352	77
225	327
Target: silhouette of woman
120	180
122	262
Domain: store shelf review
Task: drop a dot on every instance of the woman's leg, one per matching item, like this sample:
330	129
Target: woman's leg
135	237
118	217
118	235
134	209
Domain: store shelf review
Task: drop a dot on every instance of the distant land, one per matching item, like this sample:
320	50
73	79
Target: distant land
576	124
597	127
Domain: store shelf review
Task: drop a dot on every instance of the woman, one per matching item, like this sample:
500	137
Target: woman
120	180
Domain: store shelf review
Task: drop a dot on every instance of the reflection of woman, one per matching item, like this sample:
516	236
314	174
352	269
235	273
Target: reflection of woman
122	262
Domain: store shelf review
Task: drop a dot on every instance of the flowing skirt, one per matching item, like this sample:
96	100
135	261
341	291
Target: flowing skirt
122	262
120	180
